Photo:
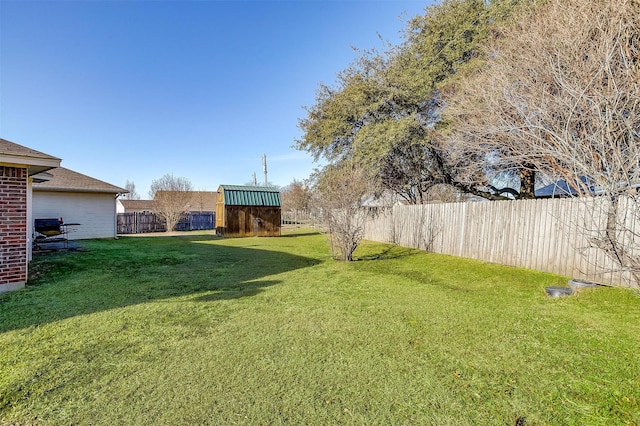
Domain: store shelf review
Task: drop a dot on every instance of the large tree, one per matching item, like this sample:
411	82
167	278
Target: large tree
561	96
172	196
384	106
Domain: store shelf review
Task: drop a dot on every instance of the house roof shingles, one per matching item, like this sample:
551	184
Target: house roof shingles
36	161
204	201
148	205
12	148
65	180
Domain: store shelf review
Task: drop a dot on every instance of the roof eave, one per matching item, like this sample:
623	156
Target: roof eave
34	165
97	191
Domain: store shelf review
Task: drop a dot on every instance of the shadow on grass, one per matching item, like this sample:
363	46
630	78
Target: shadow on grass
301	234
390	252
113	274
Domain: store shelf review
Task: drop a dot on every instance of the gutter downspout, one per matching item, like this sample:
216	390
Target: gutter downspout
115	216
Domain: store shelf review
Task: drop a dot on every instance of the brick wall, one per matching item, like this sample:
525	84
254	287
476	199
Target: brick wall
13	226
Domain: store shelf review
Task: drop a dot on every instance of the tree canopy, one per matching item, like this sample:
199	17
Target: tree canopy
171	195
384	106
559	95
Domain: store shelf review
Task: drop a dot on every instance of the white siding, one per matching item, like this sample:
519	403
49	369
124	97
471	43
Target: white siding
94	211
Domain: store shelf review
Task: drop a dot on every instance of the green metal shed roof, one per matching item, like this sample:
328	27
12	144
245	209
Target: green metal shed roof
238	195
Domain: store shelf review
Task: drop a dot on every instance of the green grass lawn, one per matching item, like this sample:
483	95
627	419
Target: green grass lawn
200	330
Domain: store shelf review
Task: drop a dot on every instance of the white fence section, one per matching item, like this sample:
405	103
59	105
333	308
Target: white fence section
553	235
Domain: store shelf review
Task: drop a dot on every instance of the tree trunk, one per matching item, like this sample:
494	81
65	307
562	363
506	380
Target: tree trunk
527	183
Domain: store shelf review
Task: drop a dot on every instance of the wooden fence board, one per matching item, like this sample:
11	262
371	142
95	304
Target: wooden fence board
147	222
548	235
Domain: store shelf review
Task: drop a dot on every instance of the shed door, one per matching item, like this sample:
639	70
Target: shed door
256	226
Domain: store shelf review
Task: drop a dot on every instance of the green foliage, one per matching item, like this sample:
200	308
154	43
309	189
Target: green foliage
438	43
199	330
384	105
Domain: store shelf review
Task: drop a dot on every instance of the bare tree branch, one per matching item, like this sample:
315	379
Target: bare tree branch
172	196
561	96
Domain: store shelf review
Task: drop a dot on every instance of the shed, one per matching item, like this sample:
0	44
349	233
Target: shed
246	211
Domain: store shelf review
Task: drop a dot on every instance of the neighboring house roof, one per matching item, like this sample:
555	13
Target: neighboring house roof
36	161
556	190
145	205
237	195
65	180
561	189
204	201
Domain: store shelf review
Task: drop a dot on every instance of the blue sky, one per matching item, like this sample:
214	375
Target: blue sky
132	90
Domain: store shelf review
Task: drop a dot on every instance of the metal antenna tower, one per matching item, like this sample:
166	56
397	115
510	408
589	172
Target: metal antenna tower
264	169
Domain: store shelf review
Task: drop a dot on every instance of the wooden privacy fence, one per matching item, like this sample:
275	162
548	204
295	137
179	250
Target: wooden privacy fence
139	223
553	235
197	221
145	222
